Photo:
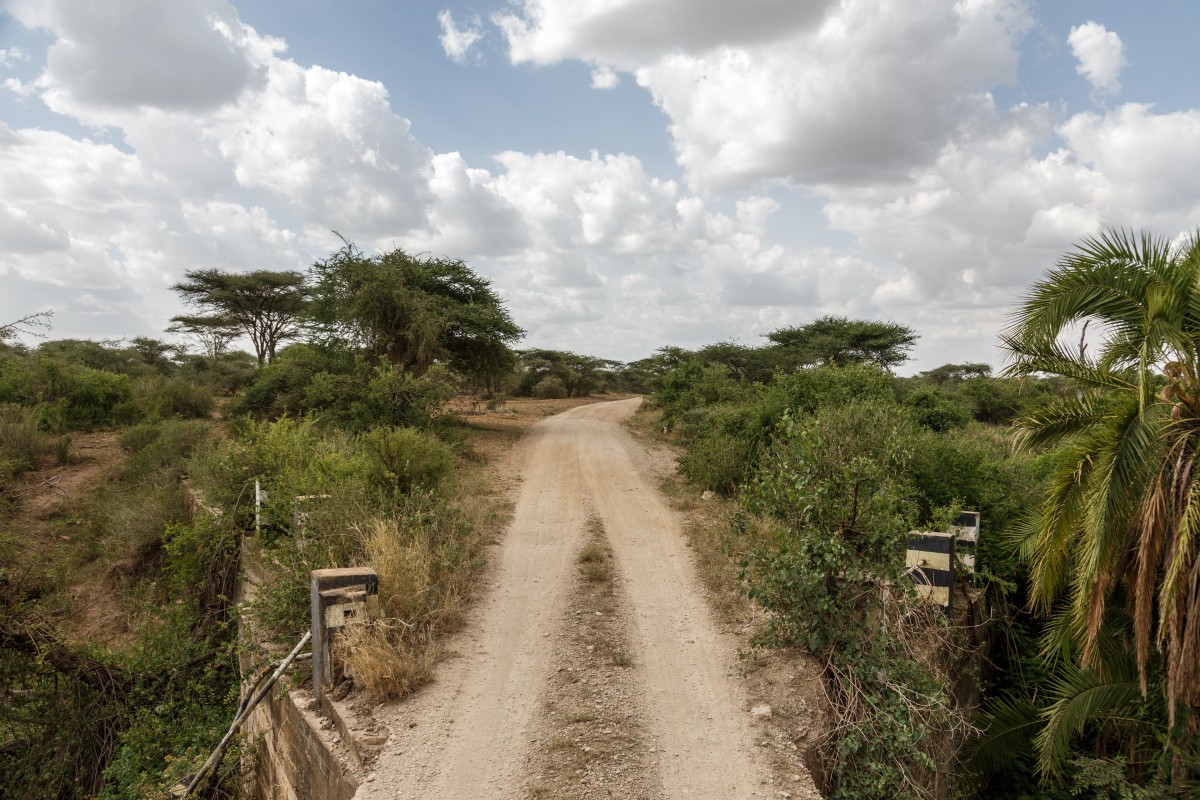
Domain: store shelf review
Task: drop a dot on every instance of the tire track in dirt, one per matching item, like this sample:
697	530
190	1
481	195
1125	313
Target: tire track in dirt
469	734
695	706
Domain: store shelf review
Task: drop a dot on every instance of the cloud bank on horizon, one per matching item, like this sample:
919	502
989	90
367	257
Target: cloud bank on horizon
833	158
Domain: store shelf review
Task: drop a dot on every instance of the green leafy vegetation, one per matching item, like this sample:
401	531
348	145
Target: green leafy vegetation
1080	460
1069	668
347	439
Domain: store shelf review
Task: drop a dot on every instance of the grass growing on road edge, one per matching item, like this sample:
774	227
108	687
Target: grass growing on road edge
429	562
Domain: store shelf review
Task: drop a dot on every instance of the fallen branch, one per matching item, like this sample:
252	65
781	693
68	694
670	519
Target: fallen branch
214	760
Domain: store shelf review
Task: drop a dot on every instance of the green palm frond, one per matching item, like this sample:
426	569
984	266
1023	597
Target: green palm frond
1107	278
1036	357
1057	646
1008	725
1083	698
1122	508
1123	451
1047	539
1062	418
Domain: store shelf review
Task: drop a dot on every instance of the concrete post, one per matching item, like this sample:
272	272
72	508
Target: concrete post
332	587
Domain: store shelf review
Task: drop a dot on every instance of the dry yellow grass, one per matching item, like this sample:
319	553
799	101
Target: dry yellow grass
429	566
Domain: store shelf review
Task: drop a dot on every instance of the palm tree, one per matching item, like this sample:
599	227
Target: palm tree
1122	515
1077	701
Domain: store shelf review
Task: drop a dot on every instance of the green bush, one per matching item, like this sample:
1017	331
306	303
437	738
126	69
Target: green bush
551	388
808	389
18	379
62	449
156	398
717	461
406	460
82	398
161	449
394	397
227	373
136	437
693	385
21	444
345	391
175	716
280	387
936	411
836	483
290	458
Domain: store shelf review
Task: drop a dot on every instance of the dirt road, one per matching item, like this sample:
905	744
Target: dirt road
471	733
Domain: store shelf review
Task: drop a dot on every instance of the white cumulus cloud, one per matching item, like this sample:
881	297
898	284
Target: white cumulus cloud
1101	56
879	115
605	77
12	56
459	42
162	55
630	33
798	92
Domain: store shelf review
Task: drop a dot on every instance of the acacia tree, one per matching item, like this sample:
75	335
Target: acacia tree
29	325
414	311
268	306
212	333
1121	518
838	341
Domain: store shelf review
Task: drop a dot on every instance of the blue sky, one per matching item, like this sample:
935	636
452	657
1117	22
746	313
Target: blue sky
628	174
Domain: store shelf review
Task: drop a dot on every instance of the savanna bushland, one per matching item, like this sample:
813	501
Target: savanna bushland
1068	669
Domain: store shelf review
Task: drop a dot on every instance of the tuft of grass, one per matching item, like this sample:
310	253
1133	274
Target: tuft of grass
62	449
560	743
20	441
386	657
595	560
592	553
594	563
622	658
427	562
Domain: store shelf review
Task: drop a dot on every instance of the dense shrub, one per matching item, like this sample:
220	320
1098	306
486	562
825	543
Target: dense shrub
21	444
279	387
836	483
225	374
718	461
806	390
405	460
174	717
383	396
84	398
346	391
693	385
551	388
19	381
935	411
161	449
314	490
156	398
